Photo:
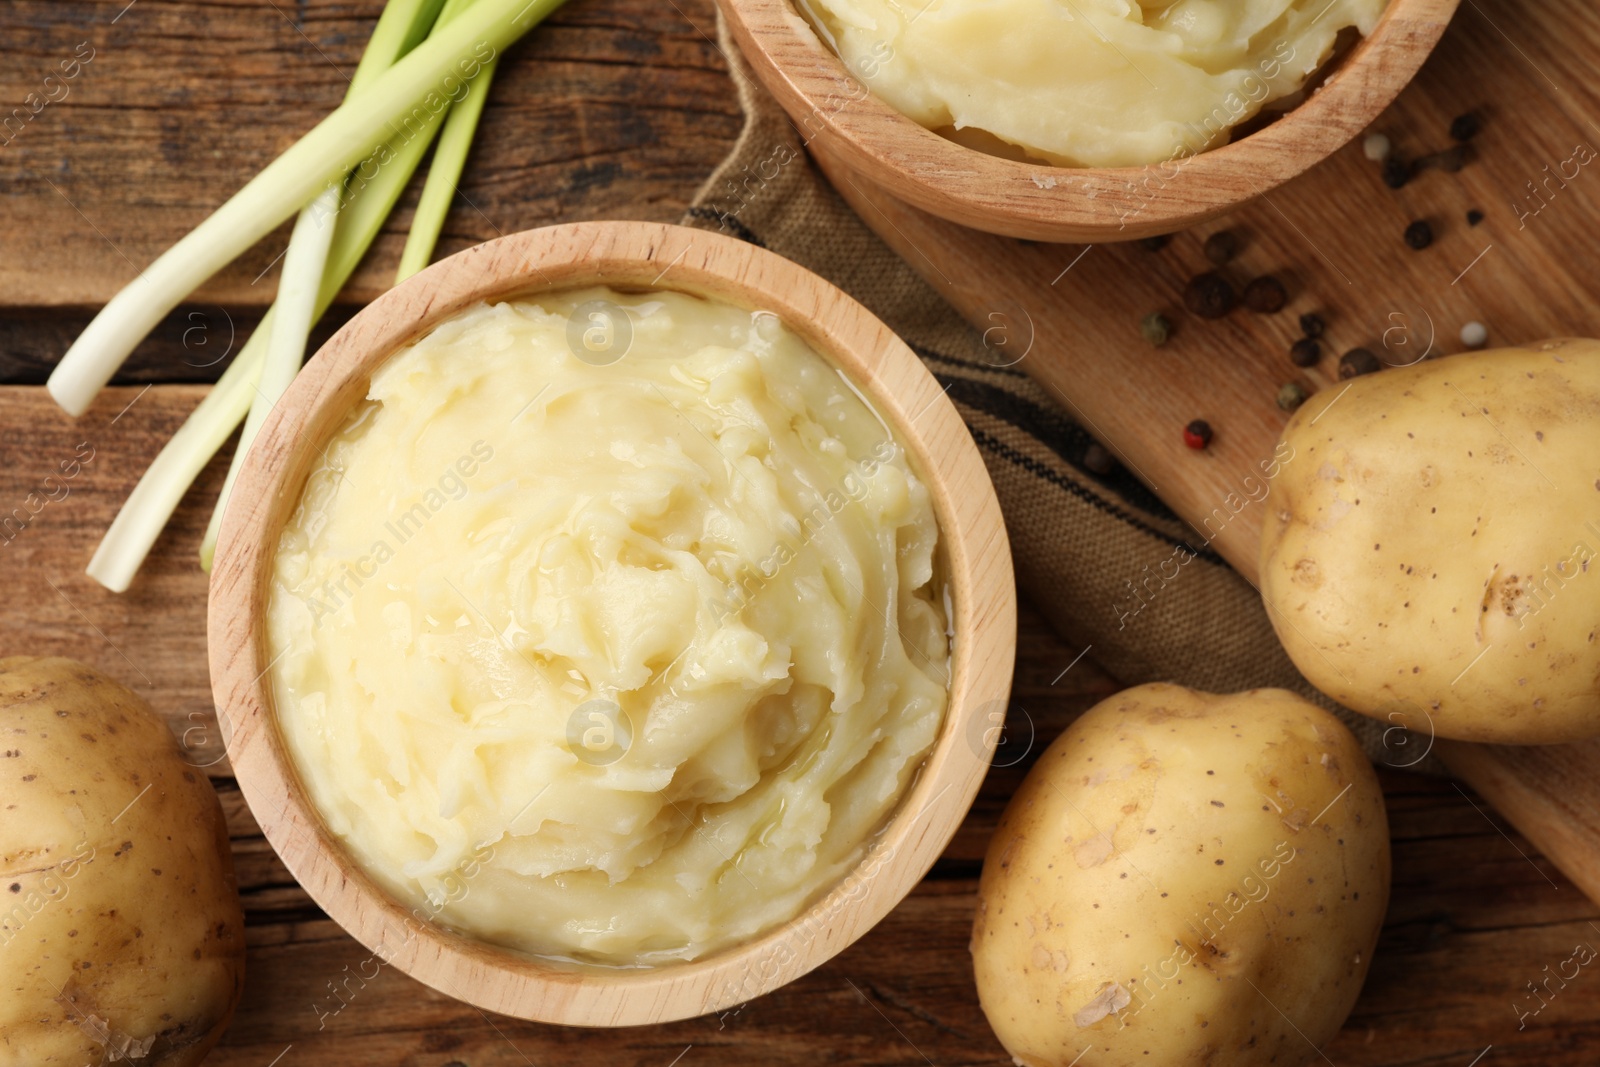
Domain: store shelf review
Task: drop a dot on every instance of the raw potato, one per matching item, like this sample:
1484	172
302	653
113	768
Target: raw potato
1431	558
1173	861
121	935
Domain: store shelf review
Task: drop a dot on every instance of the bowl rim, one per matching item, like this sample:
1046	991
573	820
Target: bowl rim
628	255
1039	201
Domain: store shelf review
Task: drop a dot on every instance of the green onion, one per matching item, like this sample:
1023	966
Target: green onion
305	260
156	497
444	173
414	89
402	26
152	502
278	344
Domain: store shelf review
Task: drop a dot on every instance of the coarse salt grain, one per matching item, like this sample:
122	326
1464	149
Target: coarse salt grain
1474	335
1376	146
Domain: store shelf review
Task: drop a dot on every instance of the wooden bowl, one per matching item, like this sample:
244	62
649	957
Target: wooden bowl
838	115
636	256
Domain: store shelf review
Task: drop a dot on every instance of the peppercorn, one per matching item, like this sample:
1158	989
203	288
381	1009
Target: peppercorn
1356	362
1209	295
1419	235
1156	328
1156	243
1305	352
1265	294
1395	172
1291	396
1097	459
1197	434
1465	127
1222	246
1474	217
1311	324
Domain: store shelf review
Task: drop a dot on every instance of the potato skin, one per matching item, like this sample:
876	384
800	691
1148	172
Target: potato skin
1172	861
1430	560
120	925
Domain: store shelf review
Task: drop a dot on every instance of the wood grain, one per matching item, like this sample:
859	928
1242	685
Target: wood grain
826	100
1071	313
1470	923
612	108
1471	920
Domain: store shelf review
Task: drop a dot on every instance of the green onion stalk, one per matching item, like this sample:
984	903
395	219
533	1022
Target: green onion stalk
306	258
387	126
319	159
444	174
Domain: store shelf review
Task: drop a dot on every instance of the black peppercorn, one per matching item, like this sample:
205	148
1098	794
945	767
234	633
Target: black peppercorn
1465	127
1265	294
1396	172
1474	217
1222	246
1419	235
1097	459
1156	328
1156	243
1209	295
1305	352
1358	361
1311	324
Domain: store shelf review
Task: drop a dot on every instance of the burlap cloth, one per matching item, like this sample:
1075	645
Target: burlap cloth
1079	538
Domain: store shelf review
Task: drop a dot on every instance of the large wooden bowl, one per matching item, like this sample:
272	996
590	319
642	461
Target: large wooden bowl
637	256
891	153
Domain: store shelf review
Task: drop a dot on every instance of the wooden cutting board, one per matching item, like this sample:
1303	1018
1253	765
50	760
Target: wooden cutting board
1070	314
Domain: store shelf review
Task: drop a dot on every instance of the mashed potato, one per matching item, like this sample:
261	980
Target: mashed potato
1087	83
609	630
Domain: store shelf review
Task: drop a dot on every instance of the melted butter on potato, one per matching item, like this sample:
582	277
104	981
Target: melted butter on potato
1432	557
1183	878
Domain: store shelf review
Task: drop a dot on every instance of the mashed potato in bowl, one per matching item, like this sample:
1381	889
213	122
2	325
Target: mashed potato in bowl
1087	83
611	628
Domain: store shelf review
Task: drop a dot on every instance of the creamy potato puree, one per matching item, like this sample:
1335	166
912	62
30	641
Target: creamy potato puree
1087	83
616	663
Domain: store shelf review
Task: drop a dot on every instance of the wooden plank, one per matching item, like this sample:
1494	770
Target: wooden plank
1334	237
192	344
1474	917
1471	922
613	108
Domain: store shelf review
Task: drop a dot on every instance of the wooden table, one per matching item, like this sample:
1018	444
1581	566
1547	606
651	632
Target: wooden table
616	108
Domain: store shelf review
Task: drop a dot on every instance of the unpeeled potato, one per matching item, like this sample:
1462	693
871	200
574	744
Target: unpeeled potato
1431	555
121	935
1186	880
